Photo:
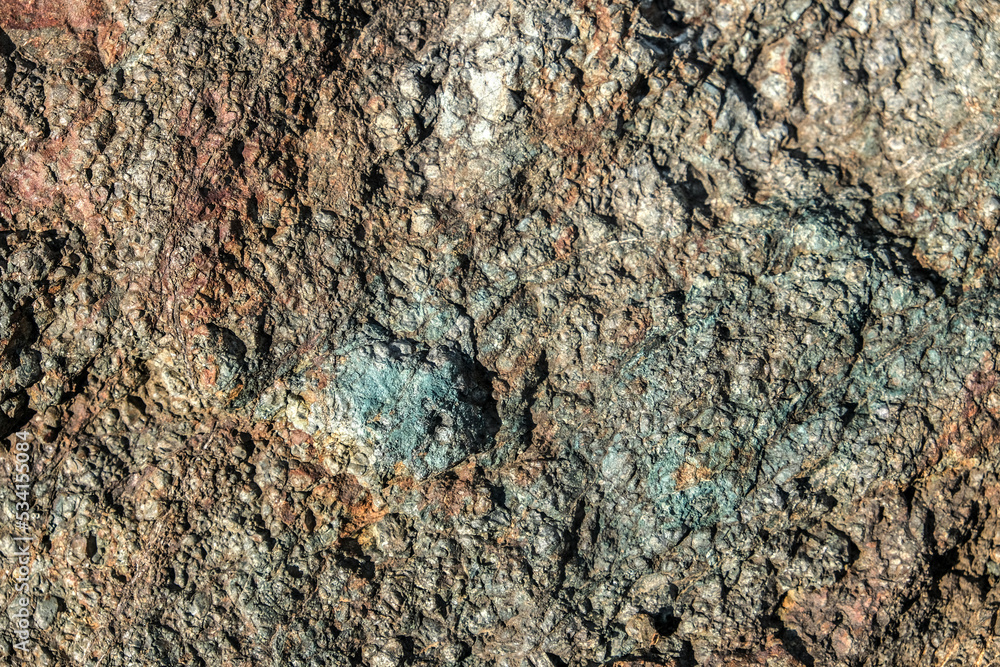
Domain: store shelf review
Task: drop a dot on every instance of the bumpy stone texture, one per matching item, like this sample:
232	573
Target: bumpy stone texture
530	333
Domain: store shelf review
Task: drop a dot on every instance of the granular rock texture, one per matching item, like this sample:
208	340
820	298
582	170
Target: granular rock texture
543	333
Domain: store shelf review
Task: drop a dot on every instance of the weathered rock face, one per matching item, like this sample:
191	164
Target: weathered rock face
542	333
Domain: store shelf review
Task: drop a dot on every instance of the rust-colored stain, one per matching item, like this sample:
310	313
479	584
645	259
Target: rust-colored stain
458	493
564	244
688	475
973	427
76	15
357	502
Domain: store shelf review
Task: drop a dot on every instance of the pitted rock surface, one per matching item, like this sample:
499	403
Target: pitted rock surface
548	333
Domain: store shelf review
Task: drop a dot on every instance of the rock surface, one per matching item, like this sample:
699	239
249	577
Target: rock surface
363	332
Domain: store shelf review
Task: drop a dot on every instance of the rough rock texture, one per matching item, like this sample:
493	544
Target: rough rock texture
376	332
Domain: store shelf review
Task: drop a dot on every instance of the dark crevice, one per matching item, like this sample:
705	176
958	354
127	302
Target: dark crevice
796	647
7	46
556	660
570	553
666	624
741	88
904	261
663	18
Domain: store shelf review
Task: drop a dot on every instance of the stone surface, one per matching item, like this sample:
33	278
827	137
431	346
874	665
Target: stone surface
534	333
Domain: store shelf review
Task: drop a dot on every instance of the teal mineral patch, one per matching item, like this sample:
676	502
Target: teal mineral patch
427	409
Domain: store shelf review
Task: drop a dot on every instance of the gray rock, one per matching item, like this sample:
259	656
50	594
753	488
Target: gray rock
537	334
